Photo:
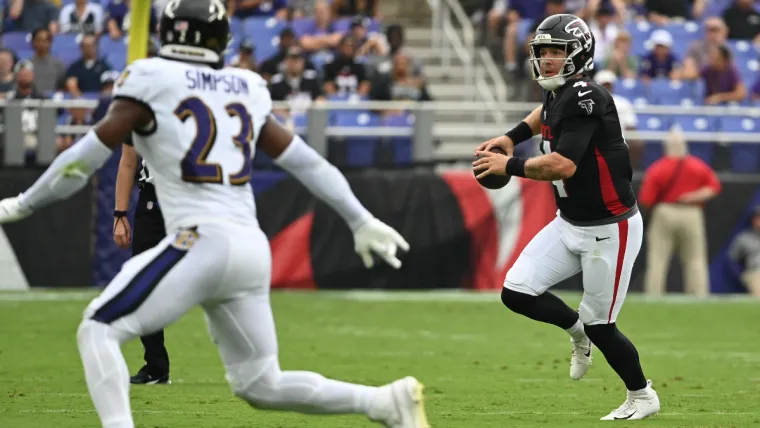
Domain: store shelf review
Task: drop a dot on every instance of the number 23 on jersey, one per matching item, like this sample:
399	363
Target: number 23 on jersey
195	167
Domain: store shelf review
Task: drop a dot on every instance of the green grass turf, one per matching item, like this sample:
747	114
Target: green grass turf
483	366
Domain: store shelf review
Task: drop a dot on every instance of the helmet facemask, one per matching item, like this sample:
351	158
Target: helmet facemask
572	64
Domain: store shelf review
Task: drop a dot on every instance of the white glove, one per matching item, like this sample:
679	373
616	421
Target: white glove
376	236
11	210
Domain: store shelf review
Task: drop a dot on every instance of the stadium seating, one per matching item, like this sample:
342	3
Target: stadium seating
399	147
652	149
359	150
264	31
743	157
632	89
667	92
702	150
362	151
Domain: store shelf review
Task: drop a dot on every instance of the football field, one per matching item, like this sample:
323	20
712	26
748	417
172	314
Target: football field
483	366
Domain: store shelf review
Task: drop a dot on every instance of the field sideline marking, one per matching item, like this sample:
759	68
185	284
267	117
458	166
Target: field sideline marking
505	412
42	295
493	296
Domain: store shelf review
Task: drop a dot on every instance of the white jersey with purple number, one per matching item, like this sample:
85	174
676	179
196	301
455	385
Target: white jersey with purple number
199	147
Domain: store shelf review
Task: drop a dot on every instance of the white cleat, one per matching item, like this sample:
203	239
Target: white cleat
400	405
581	358
639	405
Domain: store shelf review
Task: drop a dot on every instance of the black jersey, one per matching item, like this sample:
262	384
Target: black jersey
143	175
579	121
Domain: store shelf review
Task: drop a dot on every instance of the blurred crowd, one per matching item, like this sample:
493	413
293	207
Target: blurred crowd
712	42
308	50
651	52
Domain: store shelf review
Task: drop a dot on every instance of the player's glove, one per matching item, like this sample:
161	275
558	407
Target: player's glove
374	236
11	210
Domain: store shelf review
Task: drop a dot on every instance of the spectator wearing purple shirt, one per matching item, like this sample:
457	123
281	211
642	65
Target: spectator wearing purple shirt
722	81
660	63
266	8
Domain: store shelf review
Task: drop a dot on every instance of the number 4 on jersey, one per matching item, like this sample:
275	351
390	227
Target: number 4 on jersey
559	184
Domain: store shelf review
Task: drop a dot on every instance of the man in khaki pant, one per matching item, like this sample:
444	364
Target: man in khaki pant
674	190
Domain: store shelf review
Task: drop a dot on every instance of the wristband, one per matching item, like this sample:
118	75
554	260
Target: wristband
520	133
516	167
119	214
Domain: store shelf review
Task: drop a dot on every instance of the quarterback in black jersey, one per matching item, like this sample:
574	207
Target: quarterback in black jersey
598	231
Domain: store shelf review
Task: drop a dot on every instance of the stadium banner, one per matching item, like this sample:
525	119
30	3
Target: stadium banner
462	235
52	248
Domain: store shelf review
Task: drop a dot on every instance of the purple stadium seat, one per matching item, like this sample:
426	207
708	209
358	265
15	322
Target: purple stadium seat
265	33
107	44
401	147
653	148
301	121
301	26
17	41
716	7
748	69
683	35
702	150
523	28
667	92
744	157
255	26
236	26
360	150
66	48
743	50
639	35
114	51
631	89
344	24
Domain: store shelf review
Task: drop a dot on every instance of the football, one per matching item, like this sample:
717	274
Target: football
493	181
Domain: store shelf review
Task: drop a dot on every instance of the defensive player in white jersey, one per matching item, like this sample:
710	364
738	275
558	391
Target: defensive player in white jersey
196	126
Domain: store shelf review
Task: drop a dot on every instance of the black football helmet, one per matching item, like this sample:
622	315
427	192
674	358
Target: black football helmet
569	33
195	31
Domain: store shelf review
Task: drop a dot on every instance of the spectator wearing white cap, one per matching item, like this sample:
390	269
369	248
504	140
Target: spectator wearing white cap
627	115
661	62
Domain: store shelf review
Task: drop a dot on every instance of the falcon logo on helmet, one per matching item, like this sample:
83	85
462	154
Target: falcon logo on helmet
556	33
579	29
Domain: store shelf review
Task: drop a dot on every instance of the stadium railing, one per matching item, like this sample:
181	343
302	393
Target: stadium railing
447	40
423	128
